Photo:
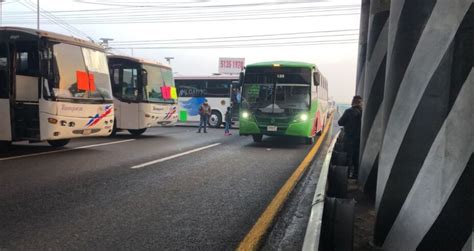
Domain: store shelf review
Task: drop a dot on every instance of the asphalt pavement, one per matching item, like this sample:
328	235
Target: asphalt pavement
170	189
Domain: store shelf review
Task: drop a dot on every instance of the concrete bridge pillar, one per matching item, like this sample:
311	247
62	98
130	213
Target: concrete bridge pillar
373	91
424	193
363	29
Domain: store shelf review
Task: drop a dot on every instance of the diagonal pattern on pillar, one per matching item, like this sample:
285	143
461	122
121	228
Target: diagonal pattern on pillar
371	132
426	107
363	29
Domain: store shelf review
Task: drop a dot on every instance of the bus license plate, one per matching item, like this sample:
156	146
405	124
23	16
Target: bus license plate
272	128
86	132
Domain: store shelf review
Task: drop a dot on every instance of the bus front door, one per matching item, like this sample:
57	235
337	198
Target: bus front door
26	91
235	98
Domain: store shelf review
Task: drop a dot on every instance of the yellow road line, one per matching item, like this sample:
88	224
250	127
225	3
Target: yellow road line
253	239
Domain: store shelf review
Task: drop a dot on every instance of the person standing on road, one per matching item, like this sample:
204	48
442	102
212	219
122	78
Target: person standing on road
204	113
228	121
351	120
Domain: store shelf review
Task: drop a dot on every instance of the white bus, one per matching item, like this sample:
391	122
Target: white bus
52	87
192	91
138	99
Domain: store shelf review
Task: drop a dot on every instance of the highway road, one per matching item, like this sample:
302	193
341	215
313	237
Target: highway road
169	189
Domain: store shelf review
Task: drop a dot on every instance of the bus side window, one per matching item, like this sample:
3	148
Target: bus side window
191	88
27	59
3	71
218	88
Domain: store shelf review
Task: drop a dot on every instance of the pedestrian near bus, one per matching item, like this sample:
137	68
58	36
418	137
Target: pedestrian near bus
351	120
204	113
228	121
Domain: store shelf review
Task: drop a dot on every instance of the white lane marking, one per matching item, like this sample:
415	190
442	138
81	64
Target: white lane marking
174	156
66	150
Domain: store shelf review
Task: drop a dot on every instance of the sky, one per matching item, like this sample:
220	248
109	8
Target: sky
197	32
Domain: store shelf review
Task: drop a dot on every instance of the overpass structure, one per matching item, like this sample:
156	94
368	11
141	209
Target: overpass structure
415	73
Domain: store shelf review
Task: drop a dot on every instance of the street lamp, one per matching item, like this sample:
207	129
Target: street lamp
168	59
37	14
105	42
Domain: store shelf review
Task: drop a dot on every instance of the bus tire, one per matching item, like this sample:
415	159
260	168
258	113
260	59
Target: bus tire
339	147
137	132
215	120
257	138
337	228
58	142
337	180
339	158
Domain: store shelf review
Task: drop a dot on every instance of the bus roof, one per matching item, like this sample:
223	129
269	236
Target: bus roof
54	36
217	77
140	60
283	64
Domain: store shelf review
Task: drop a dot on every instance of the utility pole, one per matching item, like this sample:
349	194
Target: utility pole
168	59
37	14
1	13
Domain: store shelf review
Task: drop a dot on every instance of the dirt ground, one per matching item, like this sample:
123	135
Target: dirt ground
364	218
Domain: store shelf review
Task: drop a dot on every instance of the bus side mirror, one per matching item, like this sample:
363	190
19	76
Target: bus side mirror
317	78
144	74
241	78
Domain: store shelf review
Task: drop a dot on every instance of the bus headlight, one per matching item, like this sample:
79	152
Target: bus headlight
304	117
52	121
245	115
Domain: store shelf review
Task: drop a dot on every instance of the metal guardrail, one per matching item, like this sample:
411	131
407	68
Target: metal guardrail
313	230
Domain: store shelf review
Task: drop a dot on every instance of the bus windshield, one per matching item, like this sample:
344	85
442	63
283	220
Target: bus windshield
276	92
157	78
81	73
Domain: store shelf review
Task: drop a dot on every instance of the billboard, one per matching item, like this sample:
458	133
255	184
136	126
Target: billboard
231	65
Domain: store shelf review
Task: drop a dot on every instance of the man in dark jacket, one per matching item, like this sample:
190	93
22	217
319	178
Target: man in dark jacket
205	113
351	120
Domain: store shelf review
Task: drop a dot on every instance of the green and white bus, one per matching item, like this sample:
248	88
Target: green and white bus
283	98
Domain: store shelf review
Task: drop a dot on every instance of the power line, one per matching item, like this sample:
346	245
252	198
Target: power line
355	35
180	5
142	14
201	19
64	23
241	36
140	11
55	20
153	14
258	45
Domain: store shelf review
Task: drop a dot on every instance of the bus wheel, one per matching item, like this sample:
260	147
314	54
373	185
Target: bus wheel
137	132
215	120
309	141
58	142
257	137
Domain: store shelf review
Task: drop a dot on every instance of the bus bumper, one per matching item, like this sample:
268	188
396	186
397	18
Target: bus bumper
54	127
297	129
